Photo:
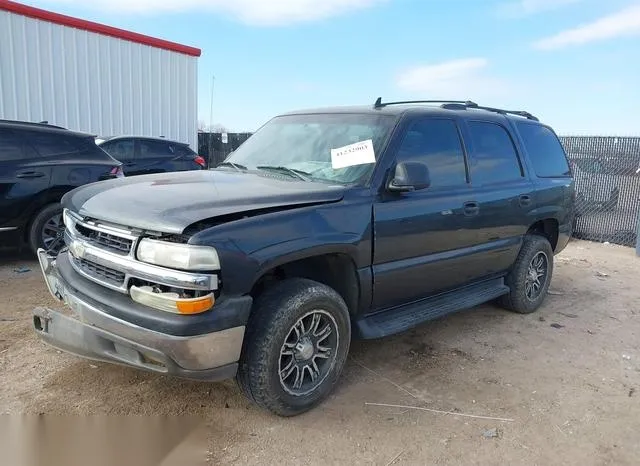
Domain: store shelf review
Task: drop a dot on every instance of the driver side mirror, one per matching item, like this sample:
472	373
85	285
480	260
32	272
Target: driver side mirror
410	176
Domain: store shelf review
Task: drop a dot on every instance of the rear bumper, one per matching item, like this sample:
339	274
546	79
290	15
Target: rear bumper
93	333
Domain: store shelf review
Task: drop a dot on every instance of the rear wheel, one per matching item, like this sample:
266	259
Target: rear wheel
295	347
47	230
530	277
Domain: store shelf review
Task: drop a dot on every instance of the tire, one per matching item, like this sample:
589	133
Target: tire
270	332
518	299
44	218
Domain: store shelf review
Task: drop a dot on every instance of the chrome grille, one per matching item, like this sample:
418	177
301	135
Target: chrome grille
101	272
106	240
104	254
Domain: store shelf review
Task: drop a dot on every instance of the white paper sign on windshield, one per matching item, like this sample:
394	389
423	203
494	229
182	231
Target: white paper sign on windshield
354	154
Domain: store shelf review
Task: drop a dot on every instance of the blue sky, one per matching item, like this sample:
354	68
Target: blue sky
573	63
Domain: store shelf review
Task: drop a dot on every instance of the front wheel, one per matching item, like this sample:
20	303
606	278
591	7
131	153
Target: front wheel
530	277
295	347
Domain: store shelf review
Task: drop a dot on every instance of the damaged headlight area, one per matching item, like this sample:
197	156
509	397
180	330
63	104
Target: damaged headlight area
175	256
172	300
178	256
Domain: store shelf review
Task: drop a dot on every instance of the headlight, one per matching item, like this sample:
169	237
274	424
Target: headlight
178	256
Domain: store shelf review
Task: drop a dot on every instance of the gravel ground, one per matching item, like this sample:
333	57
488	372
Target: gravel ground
567	379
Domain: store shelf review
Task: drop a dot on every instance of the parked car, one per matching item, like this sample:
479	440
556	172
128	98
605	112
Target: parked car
39	163
597	184
145	155
324	225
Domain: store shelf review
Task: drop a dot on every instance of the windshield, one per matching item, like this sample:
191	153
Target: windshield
307	146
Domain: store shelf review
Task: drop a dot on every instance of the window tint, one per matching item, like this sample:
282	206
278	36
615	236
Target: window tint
154	149
495	158
51	144
10	146
544	149
121	150
182	151
436	143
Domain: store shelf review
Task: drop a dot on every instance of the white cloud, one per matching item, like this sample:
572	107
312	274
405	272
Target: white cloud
521	8
254	12
623	23
456	79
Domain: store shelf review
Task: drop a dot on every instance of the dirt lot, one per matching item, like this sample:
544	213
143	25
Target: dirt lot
568	377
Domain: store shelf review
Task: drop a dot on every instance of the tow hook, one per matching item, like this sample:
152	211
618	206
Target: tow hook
41	319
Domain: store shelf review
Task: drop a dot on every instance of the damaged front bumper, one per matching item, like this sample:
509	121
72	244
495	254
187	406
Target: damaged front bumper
94	334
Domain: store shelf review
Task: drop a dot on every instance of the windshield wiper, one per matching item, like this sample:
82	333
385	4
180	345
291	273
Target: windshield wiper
237	166
289	171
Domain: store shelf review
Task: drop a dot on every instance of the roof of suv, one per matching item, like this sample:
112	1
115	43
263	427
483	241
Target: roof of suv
442	108
44	127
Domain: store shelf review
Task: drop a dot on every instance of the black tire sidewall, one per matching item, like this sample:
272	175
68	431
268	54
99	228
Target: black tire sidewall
283	306
518	301
37	224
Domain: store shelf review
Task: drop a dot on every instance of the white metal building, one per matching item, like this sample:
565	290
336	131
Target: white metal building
90	77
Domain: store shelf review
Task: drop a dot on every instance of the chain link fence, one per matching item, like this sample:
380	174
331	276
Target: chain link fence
606	171
215	147
607	176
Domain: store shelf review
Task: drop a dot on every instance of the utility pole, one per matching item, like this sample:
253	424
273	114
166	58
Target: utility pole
210	132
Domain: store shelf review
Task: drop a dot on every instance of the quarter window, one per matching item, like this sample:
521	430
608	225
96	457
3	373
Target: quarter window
544	149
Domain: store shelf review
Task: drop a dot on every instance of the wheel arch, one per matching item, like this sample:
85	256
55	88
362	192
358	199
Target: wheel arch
45	198
548	228
331	265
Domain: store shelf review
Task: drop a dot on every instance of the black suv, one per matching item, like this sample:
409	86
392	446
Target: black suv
324	225
143	155
39	163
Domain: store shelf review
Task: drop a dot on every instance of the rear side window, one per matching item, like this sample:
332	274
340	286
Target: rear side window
436	143
121	149
182	151
11	146
52	144
545	151
154	149
495	158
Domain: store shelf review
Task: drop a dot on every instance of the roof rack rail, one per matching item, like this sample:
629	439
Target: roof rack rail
32	123
380	104
522	113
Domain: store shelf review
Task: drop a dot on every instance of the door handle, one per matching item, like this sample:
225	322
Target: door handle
471	208
525	200
30	175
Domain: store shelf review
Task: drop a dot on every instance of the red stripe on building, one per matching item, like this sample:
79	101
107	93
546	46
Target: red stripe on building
98	28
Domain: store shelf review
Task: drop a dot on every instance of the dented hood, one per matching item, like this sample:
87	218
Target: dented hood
170	202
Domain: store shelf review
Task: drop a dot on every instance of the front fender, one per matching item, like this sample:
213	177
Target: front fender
252	246
290	251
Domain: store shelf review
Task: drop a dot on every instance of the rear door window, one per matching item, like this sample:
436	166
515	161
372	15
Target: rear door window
120	149
545	151
53	144
495	159
11	146
182	151
150	149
